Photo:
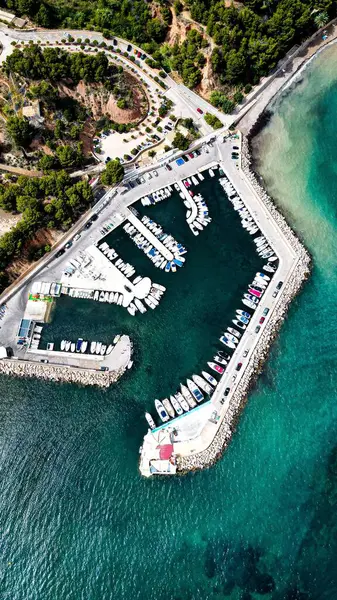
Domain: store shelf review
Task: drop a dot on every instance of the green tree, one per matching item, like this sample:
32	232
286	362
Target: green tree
19	129
180	141
113	173
213	121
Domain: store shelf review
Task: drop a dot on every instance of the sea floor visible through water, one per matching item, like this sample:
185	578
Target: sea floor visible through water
78	521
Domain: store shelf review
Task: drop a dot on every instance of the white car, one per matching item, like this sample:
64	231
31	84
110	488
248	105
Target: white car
155	173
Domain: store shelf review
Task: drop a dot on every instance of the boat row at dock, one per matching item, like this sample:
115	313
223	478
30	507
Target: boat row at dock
198	388
157	196
197	215
176	249
82	346
124	267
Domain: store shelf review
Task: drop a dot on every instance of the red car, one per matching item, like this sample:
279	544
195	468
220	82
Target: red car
139	54
261	320
191	155
201	112
238	366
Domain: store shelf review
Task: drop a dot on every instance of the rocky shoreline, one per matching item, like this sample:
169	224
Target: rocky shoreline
59	373
293	286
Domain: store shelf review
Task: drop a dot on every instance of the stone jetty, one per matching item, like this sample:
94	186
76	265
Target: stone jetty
60	373
224	433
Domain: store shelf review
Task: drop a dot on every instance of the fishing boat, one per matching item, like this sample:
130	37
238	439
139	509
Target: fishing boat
196	393
67	346
92	347
239	324
187	395
96	295
84	346
216	368
73	347
202	384
150	420
140	305
109	349
249	303
183	403
234	332
131	309
103	349
63	344
79	344
98	347
169	408
176	405
209	378
243	313
226	341
161	411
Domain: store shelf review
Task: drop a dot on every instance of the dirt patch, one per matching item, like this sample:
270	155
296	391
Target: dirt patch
7	221
101	102
177	31
42	238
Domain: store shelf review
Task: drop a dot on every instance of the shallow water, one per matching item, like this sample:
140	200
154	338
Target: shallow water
78	521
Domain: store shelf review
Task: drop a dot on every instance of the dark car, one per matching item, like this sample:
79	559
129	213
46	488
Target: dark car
279	285
60	252
236	148
114	42
197	152
169	168
131	184
262	320
87	225
266	311
257	329
129	48
94	217
201	112
227	390
238	366
143	56
186	157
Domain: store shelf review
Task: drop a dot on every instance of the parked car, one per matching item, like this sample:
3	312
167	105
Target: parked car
129	48
234	377
266	311
143	56
155	173
94	217
169	168
114	42
236	148
68	245
59	253
191	155
257	329
77	237
201	112
262	320
245	353
139	54
227	390
238	366
197	152
186	157
88	225
279	285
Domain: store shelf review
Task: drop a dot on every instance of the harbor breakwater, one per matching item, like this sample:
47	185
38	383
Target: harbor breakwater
59	373
292	287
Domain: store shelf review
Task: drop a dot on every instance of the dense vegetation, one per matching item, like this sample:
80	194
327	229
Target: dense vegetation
113	173
252	39
130	19
50	201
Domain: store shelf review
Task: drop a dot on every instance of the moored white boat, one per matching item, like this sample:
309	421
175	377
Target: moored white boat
92	347
84	346
73	346
150	420
209	378
187	395
183	403
220	360
196	393
169	408
98	347
202	384
109	349
226	341
63	344
216	368
176	405
161	411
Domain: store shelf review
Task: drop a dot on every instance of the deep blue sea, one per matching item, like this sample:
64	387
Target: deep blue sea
78	522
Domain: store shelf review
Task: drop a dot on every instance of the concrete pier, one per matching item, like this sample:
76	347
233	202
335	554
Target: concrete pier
150	236
206	444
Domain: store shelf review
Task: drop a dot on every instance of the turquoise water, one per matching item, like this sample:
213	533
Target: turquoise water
78	522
